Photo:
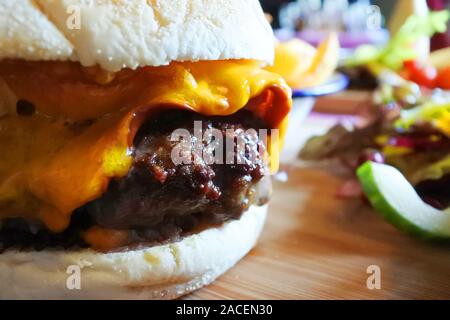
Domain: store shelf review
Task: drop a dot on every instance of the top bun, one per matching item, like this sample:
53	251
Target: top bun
116	34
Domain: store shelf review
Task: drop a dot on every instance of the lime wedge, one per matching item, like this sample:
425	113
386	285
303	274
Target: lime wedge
397	201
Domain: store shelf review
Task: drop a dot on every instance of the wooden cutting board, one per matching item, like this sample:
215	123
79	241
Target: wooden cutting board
317	246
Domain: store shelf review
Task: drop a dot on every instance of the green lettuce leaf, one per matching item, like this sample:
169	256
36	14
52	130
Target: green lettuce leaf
429	112
400	47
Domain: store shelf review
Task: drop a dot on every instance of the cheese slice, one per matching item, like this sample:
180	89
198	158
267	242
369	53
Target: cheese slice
79	138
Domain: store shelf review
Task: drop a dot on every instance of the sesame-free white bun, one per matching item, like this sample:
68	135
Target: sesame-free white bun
118	34
161	272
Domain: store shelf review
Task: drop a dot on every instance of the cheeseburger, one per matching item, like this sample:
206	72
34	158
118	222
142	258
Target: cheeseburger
99	198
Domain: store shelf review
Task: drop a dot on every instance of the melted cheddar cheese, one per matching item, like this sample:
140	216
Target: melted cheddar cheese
80	136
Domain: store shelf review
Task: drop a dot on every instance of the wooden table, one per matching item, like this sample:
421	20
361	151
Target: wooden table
317	246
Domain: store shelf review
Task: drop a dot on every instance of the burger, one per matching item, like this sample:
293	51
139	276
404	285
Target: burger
111	114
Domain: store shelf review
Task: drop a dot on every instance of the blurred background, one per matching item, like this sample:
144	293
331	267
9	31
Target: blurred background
273	7
358	21
335	55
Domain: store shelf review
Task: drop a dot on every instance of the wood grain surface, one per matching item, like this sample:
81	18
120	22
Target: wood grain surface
318	246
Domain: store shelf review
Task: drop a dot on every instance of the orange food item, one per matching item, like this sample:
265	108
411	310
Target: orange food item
105	239
293	59
301	65
64	155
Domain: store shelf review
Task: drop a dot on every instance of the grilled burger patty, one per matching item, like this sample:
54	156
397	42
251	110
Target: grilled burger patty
158	201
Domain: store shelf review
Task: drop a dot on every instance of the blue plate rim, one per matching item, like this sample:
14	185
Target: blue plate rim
336	84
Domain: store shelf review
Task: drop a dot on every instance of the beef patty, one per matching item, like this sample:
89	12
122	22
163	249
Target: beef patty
158	200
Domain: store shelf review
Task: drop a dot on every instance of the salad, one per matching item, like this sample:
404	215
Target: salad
400	155
400	55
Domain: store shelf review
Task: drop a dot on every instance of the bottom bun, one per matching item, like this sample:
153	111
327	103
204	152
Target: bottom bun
159	272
